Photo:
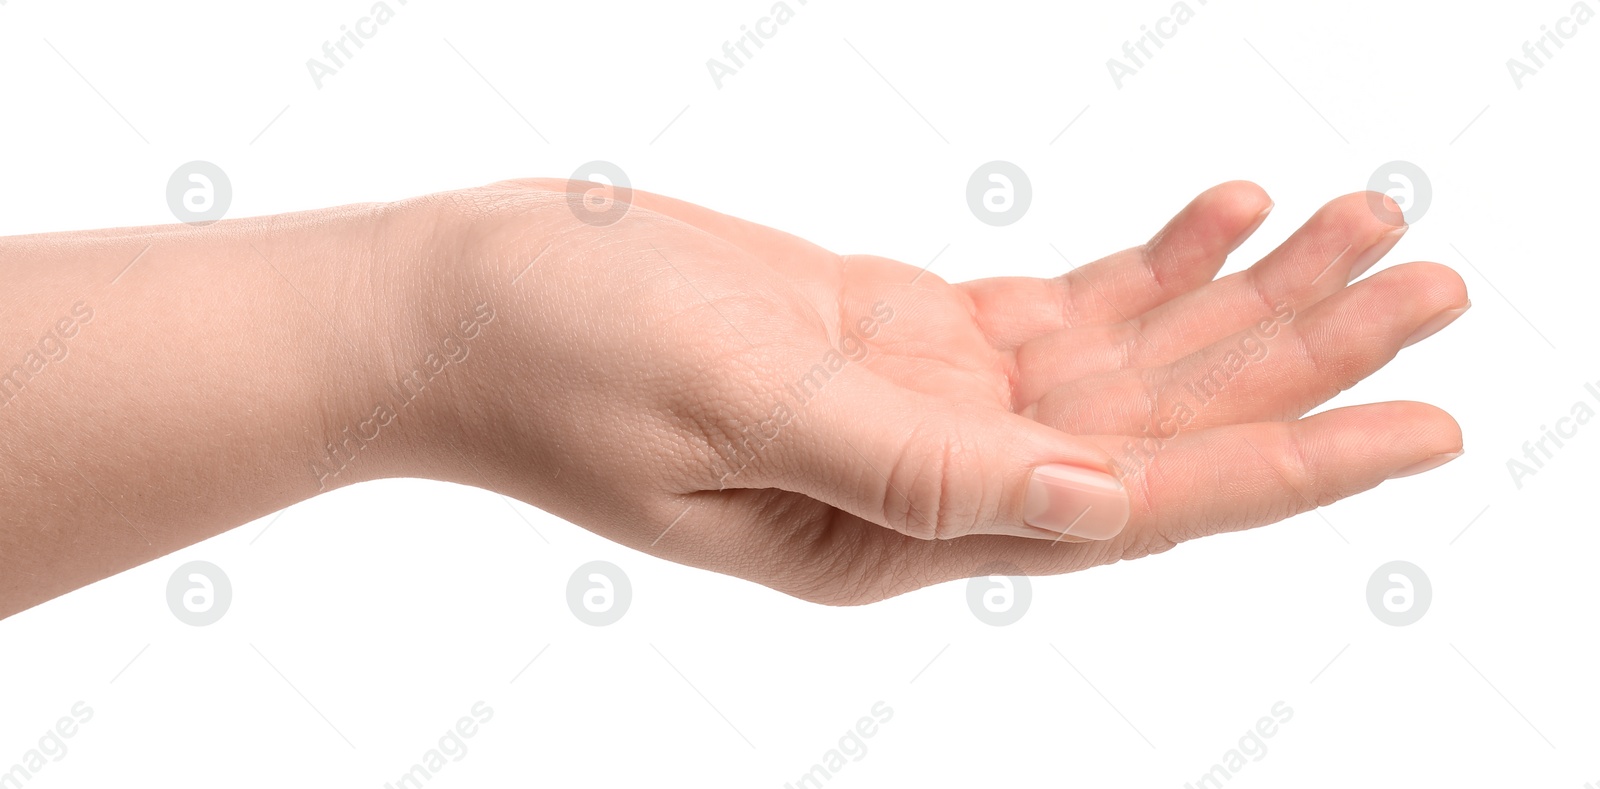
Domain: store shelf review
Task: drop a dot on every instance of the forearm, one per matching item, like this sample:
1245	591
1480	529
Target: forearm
160	385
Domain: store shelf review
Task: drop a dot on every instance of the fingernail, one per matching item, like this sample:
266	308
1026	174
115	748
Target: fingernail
1378	249
1427	465
1254	226
1076	501
1434	324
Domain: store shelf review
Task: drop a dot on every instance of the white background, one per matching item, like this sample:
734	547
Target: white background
366	621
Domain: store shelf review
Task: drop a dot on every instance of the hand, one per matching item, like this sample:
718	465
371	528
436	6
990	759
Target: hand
848	428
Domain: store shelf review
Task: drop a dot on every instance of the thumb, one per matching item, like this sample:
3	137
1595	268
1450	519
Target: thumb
935	469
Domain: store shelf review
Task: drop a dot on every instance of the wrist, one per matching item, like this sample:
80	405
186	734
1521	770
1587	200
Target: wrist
339	281
443	402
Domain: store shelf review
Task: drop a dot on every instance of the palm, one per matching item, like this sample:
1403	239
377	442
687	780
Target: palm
1107	353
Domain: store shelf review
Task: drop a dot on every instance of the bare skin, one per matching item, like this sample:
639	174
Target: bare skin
648	380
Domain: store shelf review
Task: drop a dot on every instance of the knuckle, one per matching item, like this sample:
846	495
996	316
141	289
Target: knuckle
1261	291
1307	489
1336	371
1067	295
1141	483
1146	396
1129	339
920	499
1154	256
1147	542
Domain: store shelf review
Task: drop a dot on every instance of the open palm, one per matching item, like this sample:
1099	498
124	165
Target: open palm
846	428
